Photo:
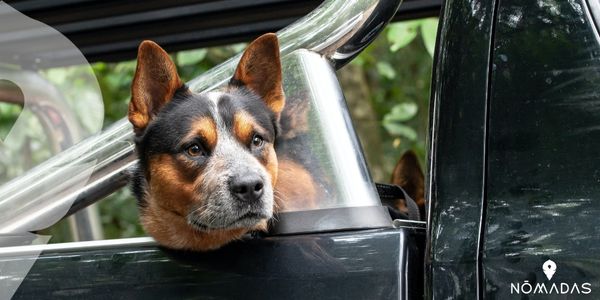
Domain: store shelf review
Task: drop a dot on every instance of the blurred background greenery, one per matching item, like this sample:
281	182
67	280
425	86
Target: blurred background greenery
386	87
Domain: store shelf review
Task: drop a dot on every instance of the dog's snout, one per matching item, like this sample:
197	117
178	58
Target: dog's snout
247	187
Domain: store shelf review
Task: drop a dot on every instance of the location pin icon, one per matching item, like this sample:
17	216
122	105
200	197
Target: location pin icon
549	268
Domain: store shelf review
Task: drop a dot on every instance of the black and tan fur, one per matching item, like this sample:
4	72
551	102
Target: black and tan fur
409	175
208	171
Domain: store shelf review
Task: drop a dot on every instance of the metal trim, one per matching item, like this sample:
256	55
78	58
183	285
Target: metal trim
89	23
73	246
331	219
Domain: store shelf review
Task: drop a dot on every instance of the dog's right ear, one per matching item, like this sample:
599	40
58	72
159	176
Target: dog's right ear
259	70
154	84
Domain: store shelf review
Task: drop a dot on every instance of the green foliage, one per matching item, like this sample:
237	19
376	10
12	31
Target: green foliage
402	112
115	81
9	113
32	141
192	57
78	87
429	33
118	213
397	70
385	69
401	34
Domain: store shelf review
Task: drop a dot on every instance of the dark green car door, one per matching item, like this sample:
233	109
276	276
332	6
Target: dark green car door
515	178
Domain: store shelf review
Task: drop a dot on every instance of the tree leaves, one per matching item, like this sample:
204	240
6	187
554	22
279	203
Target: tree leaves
192	57
401	112
428	33
403	33
401	130
385	69
400	35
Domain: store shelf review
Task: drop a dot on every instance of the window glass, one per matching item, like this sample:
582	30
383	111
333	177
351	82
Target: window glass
386	88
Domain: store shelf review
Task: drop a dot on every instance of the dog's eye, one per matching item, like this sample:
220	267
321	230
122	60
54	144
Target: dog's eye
257	140
195	150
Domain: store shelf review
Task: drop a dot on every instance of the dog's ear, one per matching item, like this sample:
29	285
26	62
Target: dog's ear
259	70
409	176
154	84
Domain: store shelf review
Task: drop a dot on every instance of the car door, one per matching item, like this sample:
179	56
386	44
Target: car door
515	178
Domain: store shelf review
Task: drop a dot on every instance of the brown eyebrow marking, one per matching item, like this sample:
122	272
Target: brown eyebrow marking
243	126
207	129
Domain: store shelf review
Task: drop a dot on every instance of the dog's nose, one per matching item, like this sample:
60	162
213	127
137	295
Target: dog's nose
247	187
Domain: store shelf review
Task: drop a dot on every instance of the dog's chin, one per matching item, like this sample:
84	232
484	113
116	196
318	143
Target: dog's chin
248	220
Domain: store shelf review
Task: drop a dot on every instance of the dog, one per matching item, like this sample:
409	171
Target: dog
409	175
208	167
208	172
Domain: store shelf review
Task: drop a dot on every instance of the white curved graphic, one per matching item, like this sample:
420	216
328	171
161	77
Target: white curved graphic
60	104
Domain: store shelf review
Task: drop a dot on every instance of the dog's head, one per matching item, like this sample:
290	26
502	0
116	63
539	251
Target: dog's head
207	161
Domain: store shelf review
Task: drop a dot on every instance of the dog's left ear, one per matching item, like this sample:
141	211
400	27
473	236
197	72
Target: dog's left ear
259	70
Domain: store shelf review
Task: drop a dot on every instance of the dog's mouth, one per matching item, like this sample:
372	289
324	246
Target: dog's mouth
246	220
253	215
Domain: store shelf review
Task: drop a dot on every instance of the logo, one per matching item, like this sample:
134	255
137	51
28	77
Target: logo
549	268
548	287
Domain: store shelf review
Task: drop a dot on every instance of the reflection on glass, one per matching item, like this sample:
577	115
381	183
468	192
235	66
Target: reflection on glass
317	132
